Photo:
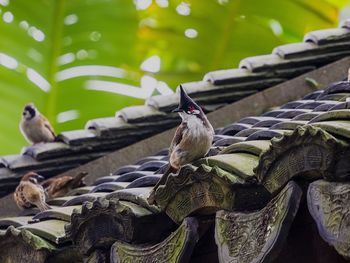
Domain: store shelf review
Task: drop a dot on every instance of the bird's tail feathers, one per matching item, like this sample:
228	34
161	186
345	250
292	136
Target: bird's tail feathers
78	179
162	180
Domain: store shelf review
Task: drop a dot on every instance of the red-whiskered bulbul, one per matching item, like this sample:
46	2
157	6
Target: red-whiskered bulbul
192	140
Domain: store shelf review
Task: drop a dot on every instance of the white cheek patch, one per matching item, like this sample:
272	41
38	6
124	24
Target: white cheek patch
183	115
193	112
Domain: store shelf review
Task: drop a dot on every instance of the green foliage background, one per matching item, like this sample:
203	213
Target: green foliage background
43	43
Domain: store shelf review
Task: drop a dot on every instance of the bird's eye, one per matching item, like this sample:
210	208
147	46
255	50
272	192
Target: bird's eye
33	180
191	109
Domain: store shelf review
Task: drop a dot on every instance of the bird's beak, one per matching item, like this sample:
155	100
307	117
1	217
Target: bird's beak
177	110
39	178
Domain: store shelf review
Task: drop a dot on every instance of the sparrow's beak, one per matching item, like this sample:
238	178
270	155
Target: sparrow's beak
39	178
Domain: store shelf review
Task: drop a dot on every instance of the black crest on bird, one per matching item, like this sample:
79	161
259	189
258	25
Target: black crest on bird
187	104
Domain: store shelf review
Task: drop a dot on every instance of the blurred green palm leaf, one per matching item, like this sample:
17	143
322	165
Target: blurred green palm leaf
81	59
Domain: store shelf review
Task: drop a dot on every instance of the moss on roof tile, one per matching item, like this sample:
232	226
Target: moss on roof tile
14	221
337	127
332	115
176	248
36	241
328	204
241	164
252	147
52	230
261	232
60	213
135	195
288	125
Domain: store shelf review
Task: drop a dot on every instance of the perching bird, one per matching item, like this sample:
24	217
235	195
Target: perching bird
35	127
29	192
192	139
60	186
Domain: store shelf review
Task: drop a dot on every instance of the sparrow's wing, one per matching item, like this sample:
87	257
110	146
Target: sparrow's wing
178	136
56	184
47	182
63	182
48	125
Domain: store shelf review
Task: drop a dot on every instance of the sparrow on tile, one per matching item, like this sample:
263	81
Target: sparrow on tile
60	186
29	192
35	127
192	140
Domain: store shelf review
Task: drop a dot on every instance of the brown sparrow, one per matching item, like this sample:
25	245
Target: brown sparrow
29	192
35	127
192	139
60	186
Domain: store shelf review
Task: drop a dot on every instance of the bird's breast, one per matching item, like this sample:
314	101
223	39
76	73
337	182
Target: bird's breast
197	139
197	130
